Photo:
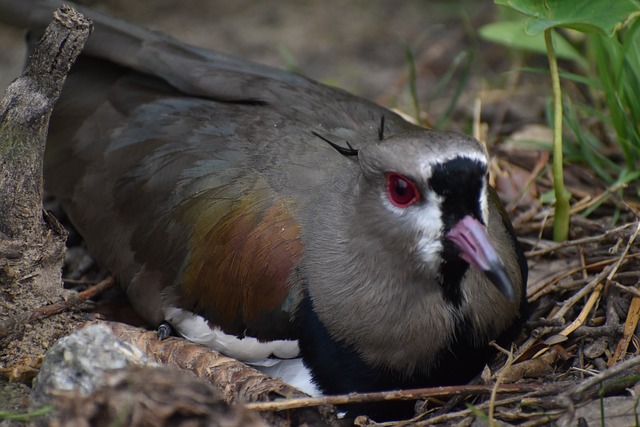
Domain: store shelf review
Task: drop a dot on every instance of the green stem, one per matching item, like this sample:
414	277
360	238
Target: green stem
561	216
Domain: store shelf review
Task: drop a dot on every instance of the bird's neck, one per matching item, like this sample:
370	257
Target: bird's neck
367	300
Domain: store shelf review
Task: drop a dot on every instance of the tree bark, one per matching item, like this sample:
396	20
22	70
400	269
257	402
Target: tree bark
32	241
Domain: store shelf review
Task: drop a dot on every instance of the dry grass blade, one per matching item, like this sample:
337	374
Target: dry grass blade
630	326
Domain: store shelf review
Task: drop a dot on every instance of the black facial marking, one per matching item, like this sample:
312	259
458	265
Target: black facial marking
459	182
452	270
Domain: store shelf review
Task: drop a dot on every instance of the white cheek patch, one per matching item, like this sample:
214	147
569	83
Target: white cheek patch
429	223
194	328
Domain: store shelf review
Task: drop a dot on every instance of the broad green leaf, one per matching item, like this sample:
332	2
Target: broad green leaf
511	33
603	17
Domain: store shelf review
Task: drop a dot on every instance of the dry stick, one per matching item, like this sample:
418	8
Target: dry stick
588	202
583	263
578	296
595	287
630	326
552	283
576	392
522	219
74	300
625	252
79	282
606	330
570	302
568	243
543	420
236	381
543	161
507	401
627	289
584	313
7	325
24	115
542	289
544	214
421	393
499	379
449	416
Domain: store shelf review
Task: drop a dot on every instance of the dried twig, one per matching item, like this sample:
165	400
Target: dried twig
7	325
423	393
629	328
499	379
577	392
448	417
554	247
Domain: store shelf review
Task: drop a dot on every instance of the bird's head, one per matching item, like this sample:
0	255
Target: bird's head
418	253
428	197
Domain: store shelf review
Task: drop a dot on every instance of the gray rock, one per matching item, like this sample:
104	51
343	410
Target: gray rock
79	361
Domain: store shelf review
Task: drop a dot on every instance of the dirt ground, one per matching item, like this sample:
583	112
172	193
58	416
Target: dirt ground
361	46
356	45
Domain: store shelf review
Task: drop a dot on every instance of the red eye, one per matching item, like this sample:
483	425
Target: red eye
401	191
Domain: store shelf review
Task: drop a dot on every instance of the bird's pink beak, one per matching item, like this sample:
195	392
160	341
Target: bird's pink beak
471	238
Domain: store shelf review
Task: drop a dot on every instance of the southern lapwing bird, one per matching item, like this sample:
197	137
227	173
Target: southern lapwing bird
269	216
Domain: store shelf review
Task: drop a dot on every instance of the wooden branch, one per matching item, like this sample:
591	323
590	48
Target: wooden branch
422	393
237	381
24	119
28	317
577	392
32	242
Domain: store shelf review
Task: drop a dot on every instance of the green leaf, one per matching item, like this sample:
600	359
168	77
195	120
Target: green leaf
511	33
603	17
548	198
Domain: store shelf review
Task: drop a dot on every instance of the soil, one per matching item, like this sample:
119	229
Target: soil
356	45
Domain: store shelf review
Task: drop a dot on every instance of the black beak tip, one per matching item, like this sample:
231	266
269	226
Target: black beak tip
498	276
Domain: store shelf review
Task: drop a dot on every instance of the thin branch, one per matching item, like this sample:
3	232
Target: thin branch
577	391
10	324
422	393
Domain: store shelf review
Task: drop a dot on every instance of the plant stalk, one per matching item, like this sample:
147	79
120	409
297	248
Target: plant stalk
561	216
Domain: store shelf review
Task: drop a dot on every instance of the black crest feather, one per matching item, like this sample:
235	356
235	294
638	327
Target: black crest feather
345	151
